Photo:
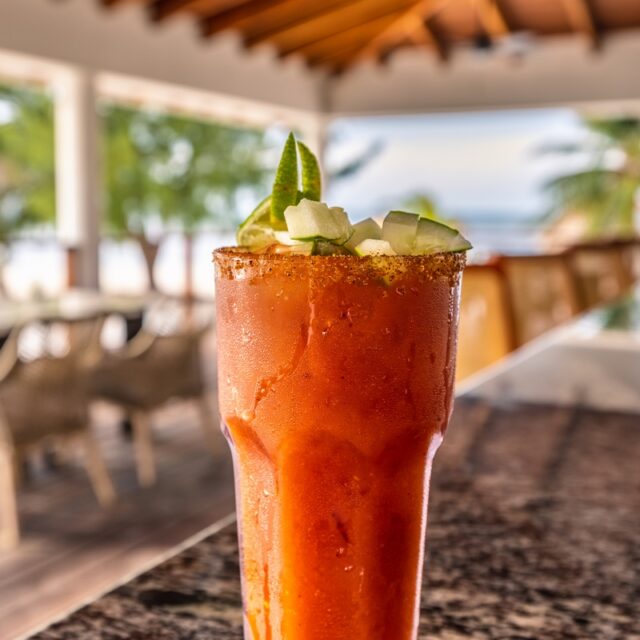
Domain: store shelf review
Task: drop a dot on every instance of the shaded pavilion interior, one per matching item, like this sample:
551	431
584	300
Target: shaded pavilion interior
301	64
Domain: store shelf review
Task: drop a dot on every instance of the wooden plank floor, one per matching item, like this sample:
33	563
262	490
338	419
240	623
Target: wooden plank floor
71	550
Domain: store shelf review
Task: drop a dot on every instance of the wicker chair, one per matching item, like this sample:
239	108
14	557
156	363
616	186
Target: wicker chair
43	401
147	373
603	271
486	320
543	293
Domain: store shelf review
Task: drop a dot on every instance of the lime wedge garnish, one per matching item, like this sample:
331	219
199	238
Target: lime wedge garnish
311	180
285	186
256	227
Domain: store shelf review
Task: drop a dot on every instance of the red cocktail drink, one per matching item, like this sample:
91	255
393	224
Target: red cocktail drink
336	379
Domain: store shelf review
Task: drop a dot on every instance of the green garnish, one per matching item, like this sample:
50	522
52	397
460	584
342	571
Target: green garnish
311	180
285	186
294	220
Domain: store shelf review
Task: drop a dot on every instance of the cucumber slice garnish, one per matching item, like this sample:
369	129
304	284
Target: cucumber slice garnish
283	237
310	220
399	229
434	237
409	234
301	248
285	186
295	221
372	247
311	180
325	248
367	229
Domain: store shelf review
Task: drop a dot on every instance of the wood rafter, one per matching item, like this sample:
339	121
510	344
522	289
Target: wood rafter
226	18
582	19
318	11
337	34
409	23
162	9
336	56
491	17
347	31
431	33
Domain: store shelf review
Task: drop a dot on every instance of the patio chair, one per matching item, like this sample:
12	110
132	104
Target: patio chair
630	250
486	331
43	402
602	270
542	291
145	375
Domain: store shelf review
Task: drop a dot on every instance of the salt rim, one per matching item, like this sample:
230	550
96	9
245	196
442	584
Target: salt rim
238	263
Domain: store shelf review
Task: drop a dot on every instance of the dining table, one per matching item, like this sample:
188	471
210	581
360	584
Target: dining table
71	306
534	515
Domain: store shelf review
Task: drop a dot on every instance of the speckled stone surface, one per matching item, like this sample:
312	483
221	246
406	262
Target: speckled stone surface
534	534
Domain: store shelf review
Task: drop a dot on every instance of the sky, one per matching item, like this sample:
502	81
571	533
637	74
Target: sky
472	164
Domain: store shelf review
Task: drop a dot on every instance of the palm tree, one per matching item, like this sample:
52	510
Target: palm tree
605	193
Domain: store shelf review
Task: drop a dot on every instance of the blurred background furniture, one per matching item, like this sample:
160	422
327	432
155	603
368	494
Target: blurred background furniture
44	401
74	305
147	373
486	331
543	293
603	271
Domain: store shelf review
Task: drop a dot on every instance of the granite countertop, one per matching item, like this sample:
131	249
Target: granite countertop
534	533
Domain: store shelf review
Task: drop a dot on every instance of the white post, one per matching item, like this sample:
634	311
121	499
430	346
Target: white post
314	134
78	181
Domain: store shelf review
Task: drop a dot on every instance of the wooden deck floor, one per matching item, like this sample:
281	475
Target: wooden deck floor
71	550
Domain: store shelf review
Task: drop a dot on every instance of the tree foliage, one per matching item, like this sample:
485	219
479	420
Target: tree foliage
166	170
27	165
605	192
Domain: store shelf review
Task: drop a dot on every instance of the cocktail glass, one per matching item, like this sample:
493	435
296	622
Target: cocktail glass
336	381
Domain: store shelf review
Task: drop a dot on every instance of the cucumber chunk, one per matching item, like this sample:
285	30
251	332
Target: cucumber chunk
368	229
310	220
301	248
399	229
434	237
372	247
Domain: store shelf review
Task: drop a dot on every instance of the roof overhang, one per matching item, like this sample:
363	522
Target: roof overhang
135	58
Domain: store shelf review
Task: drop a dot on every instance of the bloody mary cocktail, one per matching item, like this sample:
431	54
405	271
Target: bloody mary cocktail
335	379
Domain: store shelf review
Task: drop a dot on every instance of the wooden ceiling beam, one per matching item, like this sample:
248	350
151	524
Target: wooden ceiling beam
582	19
435	36
492	18
347	31
229	17
410	22
318	11
162	9
336	56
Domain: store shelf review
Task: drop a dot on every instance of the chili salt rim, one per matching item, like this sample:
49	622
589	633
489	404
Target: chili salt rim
234	263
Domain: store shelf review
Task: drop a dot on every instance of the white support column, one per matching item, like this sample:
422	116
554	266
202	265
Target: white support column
78	182
314	134
314	131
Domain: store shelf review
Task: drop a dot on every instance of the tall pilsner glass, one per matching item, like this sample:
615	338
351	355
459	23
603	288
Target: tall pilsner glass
336	381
